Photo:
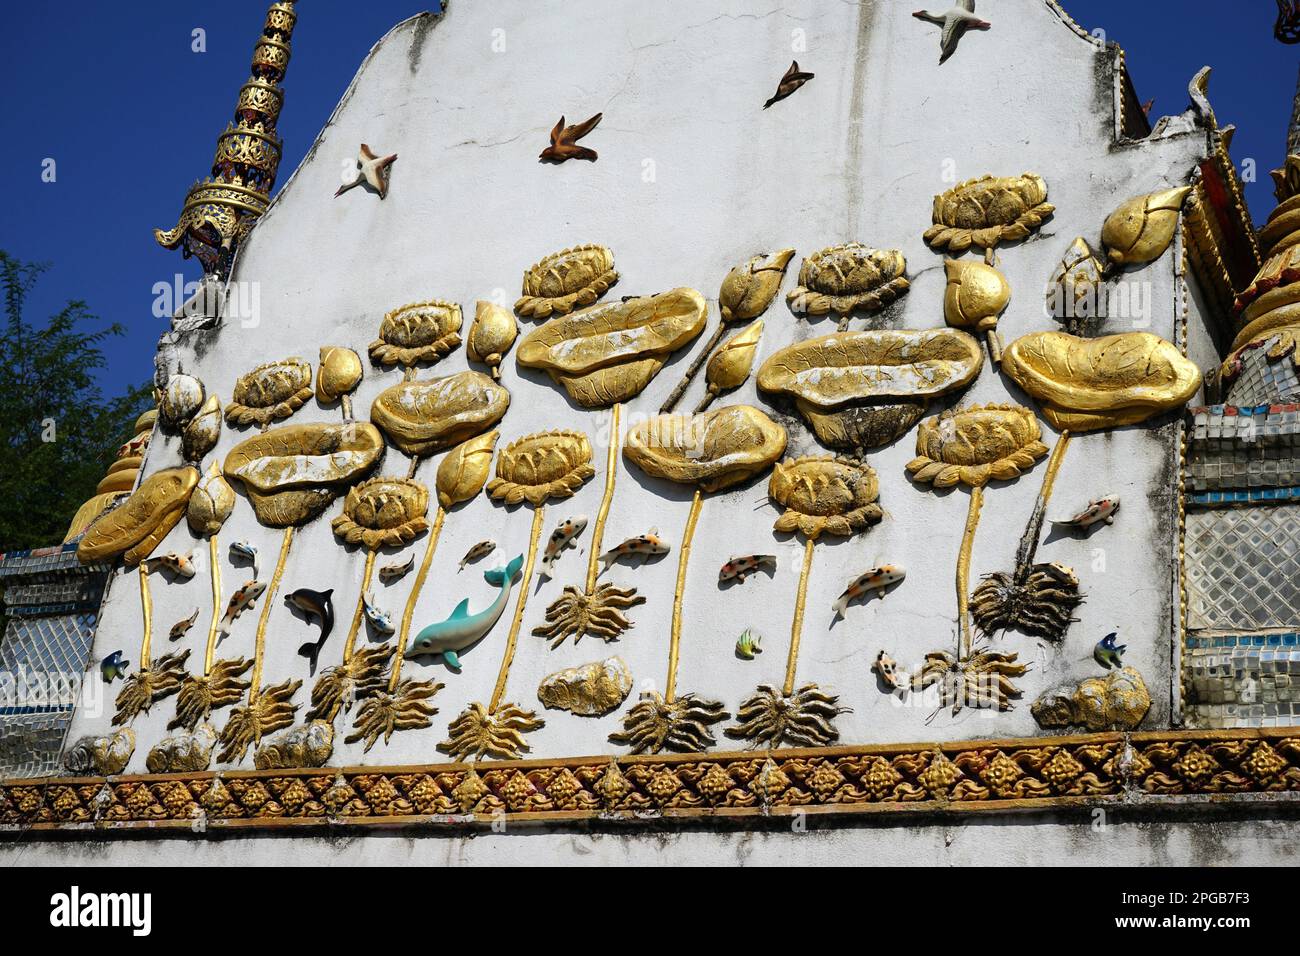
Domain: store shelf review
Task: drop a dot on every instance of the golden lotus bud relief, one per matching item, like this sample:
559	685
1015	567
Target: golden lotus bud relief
201	433
211	503
339	372
491	336
713	450
292	473
732	363
269	392
975	296
419	332
610	352
974	445
750	287
825	495
179	400
1141	228
424	417
1087	384
846	278
565	280
465	469
1075	289
542	465
383	513
135	527
988	210
864	389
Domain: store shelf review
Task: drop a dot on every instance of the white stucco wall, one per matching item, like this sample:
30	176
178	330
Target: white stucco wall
856	154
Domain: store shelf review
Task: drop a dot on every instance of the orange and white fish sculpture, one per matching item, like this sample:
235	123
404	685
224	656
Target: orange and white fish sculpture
240	601
745	565
179	565
877	579
643	546
561	539
1103	509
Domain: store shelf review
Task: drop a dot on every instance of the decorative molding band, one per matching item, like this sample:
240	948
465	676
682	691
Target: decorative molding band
1044	773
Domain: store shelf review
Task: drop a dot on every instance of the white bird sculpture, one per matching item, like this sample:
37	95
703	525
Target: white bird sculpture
955	21
370	169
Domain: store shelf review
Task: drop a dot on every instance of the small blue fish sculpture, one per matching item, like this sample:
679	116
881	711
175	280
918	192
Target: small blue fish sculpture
463	629
246	551
1107	653
113	666
379	620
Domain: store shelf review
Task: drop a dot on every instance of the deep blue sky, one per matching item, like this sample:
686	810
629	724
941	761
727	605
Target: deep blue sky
113	93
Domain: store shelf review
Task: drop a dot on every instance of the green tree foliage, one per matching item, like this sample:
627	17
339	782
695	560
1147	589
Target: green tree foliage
59	432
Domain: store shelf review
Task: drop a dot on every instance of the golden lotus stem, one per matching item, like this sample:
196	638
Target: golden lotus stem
146	607
256	682
963	570
693	369
1029	543
395	674
706	401
346	405
411	468
611	472
350	644
994	343
216	605
683	556
512	639
796	626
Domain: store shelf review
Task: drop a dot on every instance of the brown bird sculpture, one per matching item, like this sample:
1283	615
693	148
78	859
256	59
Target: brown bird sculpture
371	169
792	80
564	142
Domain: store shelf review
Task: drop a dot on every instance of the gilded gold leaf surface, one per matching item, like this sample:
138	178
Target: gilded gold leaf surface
988	210
589	690
1141	228
1087	384
848	277
491	336
200	434
975	295
566	279
465	469
542	465
425	417
734	360
338	374
269	392
418	332
825	494
211	503
135	527
383	512
714	450
974	445
750	287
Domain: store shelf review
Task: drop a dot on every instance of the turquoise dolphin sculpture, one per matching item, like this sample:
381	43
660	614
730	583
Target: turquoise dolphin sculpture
463	629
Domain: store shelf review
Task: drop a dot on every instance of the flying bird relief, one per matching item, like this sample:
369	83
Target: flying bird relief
955	21
790	81
564	142
371	170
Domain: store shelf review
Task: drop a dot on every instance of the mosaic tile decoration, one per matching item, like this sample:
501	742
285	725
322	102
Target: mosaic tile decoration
1243	567
1259	381
1242	680
1243	448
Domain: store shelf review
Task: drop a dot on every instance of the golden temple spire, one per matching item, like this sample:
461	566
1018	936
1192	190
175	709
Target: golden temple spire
220	210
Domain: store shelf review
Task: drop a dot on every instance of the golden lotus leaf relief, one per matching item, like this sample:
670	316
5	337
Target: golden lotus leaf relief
565	280
825	495
750	287
713	450
211	503
732	363
491	335
846	278
975	445
419	332
864	389
1141	229
1088	384
179	400
610	352
201	433
975	295
425	417
270	392
293	473
464	470
988	210
383	512
339	372
134	528
552	464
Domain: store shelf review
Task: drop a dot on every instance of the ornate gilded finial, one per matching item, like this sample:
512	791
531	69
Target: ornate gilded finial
220	210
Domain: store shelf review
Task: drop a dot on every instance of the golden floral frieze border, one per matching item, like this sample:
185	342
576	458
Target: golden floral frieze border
1041	773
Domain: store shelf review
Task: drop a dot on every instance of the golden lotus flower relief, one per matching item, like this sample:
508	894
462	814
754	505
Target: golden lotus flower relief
864	389
1141	228
179	400
211	503
383	513
541	466
137	526
975	296
1087	384
200	434
608	353
712	450
338	373
490	337
464	470
988	210
825	495
750	287
567	279
974	445
418	332
425	417
269	392
293	472
848	278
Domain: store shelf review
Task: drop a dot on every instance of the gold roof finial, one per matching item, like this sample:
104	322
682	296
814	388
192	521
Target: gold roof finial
220	210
